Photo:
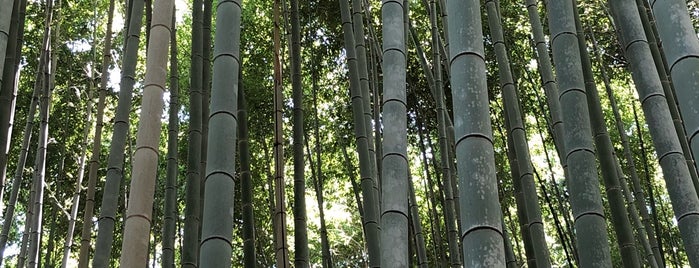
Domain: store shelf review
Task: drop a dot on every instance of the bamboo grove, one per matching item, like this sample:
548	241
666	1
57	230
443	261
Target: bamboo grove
349	133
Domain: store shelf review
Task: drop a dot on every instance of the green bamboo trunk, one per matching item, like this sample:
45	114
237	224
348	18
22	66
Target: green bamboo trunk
193	186
170	216
646	229
115	160
300	227
217	227
249	257
681	47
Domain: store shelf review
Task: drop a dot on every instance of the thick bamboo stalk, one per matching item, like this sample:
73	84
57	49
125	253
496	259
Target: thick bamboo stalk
137	223
395	175
480	208
583	183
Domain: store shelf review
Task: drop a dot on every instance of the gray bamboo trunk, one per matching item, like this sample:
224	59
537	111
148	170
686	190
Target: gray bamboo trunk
170	216
134	250
480	208
115	160
5	19
300	227
217	227
681	47
583	183
607	158
369	198
249	257
205	88
7	92
394	178
516	129
193	187
672	161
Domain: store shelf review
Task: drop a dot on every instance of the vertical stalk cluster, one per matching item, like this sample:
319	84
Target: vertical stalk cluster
445	152
517	132
607	158
368	185
655	106
97	141
39	177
